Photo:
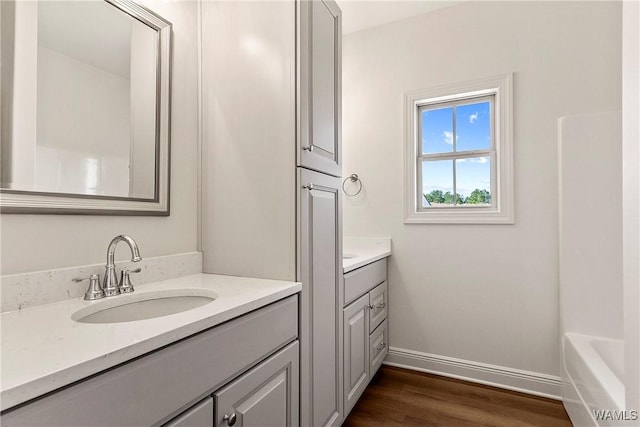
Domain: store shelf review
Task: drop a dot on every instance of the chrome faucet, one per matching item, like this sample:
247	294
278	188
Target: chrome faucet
110	286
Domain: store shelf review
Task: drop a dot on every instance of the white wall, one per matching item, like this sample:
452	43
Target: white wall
23	100
486	293
78	130
38	242
143	110
248	139
68	115
590	226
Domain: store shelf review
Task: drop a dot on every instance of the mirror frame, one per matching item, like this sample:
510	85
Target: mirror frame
33	202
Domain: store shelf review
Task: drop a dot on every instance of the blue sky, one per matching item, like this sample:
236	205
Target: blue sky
472	133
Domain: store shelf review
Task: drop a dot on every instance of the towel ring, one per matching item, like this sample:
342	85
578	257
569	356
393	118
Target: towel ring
353	178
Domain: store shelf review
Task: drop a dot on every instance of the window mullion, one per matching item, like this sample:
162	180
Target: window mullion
455	137
419	184
454	129
454	181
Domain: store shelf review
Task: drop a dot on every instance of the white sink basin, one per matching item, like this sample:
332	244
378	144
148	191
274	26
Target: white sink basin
141	306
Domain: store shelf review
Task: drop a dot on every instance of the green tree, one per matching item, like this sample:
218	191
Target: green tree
460	200
478	197
435	196
448	198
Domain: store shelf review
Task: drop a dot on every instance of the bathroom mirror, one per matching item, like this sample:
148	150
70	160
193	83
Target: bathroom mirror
85	108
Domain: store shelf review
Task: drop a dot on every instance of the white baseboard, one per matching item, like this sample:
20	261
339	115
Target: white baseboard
498	376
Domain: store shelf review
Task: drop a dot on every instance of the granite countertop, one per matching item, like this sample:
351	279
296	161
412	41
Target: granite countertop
360	251
43	349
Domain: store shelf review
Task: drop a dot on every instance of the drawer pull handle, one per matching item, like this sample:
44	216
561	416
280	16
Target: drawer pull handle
230	419
379	306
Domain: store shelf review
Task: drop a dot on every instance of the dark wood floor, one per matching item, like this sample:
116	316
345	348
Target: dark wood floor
400	397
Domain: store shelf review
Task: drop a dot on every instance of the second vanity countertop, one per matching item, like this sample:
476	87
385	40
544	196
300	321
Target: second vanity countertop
43	349
360	251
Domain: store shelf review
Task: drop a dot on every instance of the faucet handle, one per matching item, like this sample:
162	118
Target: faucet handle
125	282
94	291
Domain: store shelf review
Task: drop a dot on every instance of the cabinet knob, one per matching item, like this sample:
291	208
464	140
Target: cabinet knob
230	419
309	186
308	148
381	346
371	307
381	305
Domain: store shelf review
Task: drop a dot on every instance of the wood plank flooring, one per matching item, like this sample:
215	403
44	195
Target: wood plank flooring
400	397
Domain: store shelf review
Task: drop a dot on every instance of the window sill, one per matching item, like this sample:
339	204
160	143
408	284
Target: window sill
450	216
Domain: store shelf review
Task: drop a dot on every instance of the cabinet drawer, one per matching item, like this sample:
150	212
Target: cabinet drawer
378	305
378	347
153	389
360	281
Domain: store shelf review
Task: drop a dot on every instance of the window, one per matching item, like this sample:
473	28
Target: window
458	153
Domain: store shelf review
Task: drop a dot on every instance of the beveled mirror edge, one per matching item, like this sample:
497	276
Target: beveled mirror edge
50	203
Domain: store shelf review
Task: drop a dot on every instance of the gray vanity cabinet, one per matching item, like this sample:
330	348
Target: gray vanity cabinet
266	396
318	62
365	328
172	386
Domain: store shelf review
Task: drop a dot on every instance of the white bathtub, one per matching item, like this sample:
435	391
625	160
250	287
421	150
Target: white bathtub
593	378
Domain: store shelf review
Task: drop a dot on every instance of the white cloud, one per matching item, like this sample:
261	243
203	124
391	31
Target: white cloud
448	137
473	118
481	160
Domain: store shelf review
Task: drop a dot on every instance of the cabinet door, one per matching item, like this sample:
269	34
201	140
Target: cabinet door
320	69
378	302
320	272
200	415
266	396
356	351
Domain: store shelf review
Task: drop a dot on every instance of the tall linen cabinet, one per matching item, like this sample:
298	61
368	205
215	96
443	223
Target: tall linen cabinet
271	166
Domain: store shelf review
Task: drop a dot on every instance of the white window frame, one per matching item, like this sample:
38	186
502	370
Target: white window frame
501	210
